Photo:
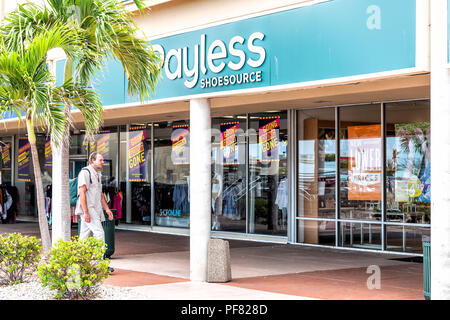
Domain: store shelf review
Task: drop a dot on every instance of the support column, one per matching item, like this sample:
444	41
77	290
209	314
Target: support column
200	187
440	153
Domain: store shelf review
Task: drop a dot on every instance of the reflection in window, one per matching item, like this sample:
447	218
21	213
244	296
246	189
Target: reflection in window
268	186
405	238
316	176
6	161
360	162
228	184
364	235
171	167
408	163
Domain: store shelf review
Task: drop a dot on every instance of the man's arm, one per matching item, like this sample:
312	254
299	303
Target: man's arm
83	203
105	206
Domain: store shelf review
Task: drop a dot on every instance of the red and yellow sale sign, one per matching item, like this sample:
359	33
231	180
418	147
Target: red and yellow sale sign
180	144
269	128
228	142
48	160
364	162
137	152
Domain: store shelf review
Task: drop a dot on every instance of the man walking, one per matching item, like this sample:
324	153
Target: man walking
91	201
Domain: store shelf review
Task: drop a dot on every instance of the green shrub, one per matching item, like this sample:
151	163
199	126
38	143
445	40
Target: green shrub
75	268
19	256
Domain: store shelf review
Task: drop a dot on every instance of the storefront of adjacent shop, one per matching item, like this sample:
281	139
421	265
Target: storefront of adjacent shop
320	128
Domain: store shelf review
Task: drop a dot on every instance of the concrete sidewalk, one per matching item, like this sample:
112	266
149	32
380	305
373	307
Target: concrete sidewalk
157	266
274	272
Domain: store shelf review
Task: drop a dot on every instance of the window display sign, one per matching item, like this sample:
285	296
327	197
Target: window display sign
364	166
180	144
137	152
85	147
228	142
24	160
102	144
6	155
412	162
269	133
48	152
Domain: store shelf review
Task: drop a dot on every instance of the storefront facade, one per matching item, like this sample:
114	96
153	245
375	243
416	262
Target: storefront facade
319	124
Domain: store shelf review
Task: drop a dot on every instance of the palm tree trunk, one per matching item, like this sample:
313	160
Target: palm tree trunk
60	192
43	224
60	176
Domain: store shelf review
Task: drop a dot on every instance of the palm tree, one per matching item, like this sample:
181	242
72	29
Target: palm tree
28	89
107	31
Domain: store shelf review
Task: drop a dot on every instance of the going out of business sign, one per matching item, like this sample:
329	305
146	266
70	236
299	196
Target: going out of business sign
320	41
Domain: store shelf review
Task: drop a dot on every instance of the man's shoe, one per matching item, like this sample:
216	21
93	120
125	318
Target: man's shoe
110	270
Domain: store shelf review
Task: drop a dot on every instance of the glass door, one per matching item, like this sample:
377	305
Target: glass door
268	185
228	184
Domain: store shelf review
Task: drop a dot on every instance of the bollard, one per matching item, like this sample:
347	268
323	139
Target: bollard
219	263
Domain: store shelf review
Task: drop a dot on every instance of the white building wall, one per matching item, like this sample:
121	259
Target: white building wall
176	16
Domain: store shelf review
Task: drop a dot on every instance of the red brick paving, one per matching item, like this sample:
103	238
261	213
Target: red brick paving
404	282
397	283
138	242
127	278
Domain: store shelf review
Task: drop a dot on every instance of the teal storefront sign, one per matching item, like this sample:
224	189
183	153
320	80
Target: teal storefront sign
326	40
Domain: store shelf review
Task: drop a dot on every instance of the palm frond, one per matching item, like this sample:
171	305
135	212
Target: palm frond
85	99
27	86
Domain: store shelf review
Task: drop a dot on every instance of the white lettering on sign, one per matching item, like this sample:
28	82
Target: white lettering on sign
233	79
190	72
237	53
215	55
365	155
179	62
256	49
374	20
177	55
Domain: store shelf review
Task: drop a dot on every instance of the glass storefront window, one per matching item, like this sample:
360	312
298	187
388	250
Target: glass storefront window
405	238
249	174
6	164
106	143
268	186
78	146
24	174
171	172
316	183
10	194
408	171
316	232
407	176
134	172
228	187
360	235
360	162
78	154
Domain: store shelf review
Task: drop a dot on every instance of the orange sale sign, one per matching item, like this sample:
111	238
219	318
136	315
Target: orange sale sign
364	166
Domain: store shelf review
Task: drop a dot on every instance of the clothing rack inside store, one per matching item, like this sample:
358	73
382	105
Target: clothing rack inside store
9	203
